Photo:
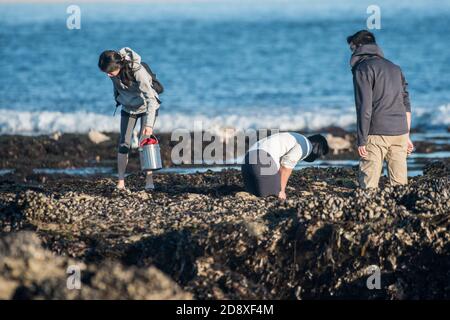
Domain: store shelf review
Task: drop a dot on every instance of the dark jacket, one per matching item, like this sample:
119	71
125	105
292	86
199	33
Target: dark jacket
381	95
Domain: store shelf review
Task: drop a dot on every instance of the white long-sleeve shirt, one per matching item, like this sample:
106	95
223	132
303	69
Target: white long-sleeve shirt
286	148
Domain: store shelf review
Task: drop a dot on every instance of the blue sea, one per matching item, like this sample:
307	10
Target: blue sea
242	64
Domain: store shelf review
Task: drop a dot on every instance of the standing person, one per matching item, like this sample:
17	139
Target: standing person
383	112
133	90
269	162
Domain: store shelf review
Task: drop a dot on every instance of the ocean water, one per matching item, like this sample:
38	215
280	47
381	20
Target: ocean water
244	64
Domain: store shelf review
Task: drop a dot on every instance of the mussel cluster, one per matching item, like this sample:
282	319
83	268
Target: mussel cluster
219	242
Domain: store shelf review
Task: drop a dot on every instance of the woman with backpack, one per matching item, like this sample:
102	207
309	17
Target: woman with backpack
133	89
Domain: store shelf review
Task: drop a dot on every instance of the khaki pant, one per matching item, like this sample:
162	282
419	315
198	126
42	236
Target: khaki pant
393	149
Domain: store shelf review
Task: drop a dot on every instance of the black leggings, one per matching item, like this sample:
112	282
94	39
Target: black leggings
260	174
127	124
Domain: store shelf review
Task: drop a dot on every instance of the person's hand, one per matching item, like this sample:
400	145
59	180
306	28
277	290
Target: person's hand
410	147
148	131
282	195
362	151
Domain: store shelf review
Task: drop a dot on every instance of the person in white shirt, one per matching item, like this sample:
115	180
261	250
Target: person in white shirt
269	162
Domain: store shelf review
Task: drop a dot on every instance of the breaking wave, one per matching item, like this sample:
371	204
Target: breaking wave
35	123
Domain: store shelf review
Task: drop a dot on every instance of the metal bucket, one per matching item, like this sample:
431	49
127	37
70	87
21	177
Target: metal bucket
150	154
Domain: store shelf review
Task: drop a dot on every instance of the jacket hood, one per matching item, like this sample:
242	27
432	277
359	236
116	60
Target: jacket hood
132	56
363	51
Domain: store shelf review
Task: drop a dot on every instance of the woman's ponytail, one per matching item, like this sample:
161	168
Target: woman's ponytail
126	72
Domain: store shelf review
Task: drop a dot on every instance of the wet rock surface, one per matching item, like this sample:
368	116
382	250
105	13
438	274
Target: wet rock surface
25	153
27	271
218	242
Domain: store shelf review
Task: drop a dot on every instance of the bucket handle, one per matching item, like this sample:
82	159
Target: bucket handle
150	136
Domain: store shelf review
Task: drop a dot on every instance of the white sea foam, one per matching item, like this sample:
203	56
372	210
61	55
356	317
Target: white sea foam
34	122
439	117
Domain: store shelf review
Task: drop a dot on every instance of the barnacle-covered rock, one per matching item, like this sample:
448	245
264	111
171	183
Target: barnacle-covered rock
218	242
27	271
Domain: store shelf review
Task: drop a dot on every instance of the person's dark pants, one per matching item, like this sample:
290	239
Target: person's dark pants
127	124
260	174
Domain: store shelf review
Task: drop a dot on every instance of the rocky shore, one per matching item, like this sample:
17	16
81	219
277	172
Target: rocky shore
28	271
201	236
23	154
